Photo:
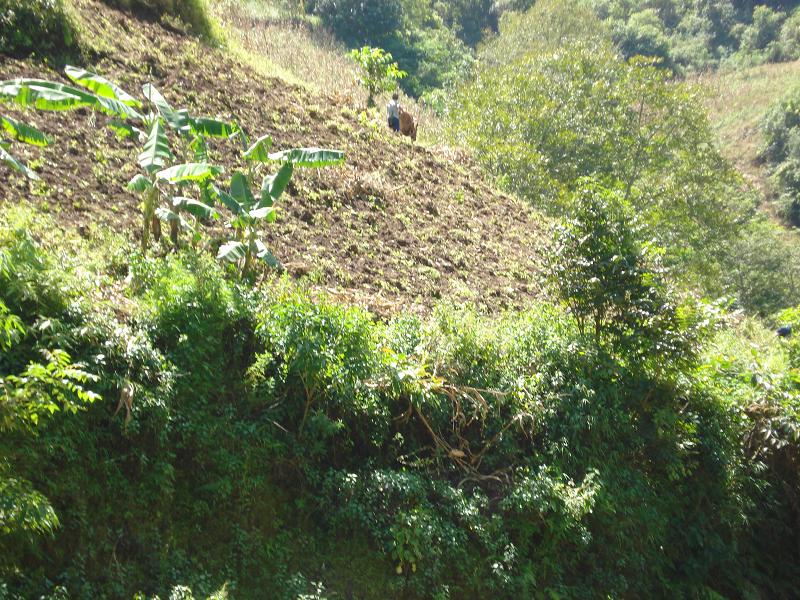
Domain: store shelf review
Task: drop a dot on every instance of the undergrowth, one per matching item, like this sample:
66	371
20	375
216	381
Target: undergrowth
42	27
262	439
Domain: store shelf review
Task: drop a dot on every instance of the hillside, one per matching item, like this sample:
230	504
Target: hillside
397	225
737	102
178	421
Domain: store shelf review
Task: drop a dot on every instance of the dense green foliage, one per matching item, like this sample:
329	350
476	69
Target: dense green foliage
41	27
422	36
433	40
781	152
698	34
554	103
170	429
704	34
277	442
379	73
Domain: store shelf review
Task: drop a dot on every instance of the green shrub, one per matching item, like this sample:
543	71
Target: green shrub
572	108
278	441
434	58
781	152
40	27
763	30
789	41
644	35
379	73
613	284
761	268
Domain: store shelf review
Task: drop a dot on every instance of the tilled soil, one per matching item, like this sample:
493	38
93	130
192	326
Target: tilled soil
398	226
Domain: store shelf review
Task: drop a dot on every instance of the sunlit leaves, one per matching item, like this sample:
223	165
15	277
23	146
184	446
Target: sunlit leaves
139	184
156	152
44	95
379	71
189	172
232	251
101	86
22	508
15	164
309	157
274	185
23	132
259	151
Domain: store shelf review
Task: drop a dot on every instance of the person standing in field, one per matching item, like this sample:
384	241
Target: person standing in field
393	112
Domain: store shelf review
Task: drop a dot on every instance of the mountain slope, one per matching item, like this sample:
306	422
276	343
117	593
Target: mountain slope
737	102
396	225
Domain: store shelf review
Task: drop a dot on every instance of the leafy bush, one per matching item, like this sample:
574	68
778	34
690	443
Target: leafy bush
571	108
275	440
613	284
434	58
643	34
781	151
761	268
789	41
41	27
379	72
763	30
470	20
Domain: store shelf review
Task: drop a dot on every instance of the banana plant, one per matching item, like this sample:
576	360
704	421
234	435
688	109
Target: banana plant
158	178
153	158
24	133
249	211
46	95
156	155
180	176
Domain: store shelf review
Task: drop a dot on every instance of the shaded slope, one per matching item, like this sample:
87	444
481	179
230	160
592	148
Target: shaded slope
397	225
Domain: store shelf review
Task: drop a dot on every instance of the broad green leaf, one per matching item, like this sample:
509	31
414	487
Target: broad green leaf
232	251
113	107
139	184
240	190
240	133
153	95
261	251
49	95
12	162
274	185
176	119
101	86
212	127
226	199
124	130
267	212
189	172
44	95
166	215
259	151
199	149
195	207
309	157
156	151
23	132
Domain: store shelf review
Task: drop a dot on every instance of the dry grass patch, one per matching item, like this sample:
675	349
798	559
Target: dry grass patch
737	101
